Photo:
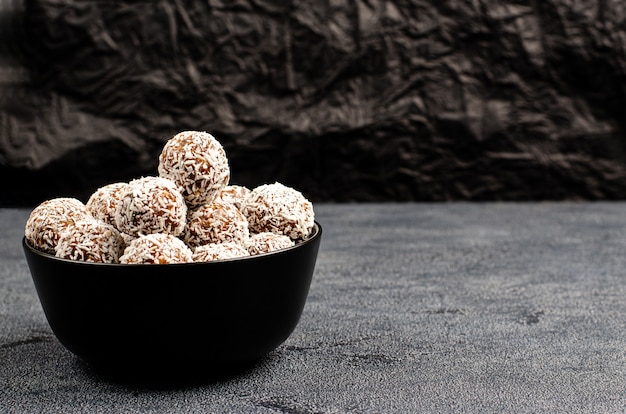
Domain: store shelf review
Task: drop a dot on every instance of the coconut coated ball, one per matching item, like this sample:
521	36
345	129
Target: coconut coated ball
49	219
234	194
156	248
216	223
103	201
219	251
151	205
267	242
279	209
197	163
90	240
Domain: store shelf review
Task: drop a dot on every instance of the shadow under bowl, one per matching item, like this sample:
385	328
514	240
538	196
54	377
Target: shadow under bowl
183	317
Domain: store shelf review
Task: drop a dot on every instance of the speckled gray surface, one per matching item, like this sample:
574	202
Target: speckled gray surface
413	308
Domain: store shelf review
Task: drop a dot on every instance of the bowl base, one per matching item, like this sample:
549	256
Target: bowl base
164	376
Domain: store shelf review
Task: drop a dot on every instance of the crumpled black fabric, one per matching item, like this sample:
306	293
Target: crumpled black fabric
354	100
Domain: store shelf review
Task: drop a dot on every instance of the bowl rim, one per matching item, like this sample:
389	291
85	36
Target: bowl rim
316	233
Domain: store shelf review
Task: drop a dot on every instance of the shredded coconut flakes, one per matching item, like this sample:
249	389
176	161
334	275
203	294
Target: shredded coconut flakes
90	240
219	251
156	249
50	218
151	205
267	242
216	223
279	209
234	194
103	202
197	163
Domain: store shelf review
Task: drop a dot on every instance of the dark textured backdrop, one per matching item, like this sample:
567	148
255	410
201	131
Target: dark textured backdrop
344	99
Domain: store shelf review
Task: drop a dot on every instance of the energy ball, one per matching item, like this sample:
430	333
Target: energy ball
90	240
234	194
279	209
216	223
49	219
268	242
103	201
219	251
151	205
156	249
197	163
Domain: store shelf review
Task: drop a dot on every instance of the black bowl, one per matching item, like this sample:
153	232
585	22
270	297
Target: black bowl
196	316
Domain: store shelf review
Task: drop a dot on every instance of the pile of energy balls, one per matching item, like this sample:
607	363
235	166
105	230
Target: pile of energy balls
188	213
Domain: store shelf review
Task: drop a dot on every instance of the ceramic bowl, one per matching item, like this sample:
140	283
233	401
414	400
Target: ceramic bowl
176	316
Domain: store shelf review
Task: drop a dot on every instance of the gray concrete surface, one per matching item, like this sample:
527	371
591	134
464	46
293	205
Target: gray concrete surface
413	308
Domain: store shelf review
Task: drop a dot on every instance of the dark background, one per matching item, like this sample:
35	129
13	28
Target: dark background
346	100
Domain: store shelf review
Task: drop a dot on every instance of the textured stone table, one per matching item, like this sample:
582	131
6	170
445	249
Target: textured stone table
413	308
